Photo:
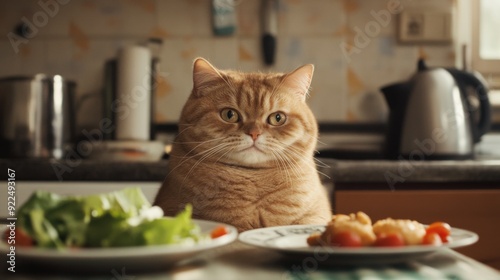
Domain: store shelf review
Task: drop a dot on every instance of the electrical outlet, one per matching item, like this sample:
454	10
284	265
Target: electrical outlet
425	27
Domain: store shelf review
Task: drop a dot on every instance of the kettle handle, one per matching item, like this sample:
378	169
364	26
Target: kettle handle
482	94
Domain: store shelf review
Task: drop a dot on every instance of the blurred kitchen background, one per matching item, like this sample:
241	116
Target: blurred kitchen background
77	38
357	47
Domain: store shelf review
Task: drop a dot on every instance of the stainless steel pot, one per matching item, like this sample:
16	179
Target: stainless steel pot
37	117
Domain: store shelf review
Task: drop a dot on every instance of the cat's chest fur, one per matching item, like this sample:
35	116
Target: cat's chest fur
257	187
245	197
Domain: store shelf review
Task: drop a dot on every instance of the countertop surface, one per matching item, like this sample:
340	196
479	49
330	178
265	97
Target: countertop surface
484	172
240	261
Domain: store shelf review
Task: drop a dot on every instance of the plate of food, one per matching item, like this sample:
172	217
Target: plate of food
349	239
107	231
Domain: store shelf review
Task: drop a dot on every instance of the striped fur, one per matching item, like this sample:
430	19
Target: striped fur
212	167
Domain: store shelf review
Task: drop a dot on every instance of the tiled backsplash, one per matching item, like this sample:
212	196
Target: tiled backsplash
74	38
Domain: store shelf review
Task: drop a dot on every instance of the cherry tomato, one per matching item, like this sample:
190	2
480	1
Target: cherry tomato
394	239
442	229
23	239
218	232
20	236
432	238
346	239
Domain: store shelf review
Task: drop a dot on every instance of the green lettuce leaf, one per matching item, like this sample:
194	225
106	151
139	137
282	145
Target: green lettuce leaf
121	218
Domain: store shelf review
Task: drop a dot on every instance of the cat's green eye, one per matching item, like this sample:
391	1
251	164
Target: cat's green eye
276	119
230	115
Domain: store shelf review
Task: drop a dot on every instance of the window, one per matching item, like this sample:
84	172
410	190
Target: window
486	39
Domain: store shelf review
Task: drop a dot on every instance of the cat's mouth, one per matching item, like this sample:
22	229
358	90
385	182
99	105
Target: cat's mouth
252	147
251	155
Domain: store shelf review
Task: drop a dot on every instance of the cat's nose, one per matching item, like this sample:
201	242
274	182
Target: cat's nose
254	133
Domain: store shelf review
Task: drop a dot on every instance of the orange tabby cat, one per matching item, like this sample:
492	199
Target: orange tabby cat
244	152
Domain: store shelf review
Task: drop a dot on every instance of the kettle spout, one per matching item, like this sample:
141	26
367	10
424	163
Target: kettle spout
396	95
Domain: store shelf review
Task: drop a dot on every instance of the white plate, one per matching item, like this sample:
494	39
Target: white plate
133	258
292	241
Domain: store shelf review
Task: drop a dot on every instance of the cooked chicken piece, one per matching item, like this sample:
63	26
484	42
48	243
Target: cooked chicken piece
412	231
358	223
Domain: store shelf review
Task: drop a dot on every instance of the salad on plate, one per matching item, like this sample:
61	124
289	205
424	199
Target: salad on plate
122	218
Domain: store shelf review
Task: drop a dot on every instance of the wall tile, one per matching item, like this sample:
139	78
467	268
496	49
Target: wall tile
112	18
185	18
60	17
381	62
311	18
384	61
12	12
371	18
30	58
248	17
429	4
177	58
250	54
438	56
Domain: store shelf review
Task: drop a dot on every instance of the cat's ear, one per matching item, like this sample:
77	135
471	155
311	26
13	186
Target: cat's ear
204	75
299	80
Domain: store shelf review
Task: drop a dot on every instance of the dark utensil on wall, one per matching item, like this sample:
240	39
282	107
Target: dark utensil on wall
269	30
37	116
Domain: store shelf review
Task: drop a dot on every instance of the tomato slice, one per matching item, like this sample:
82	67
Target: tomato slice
20	236
346	239
218	232
440	228
393	239
432	238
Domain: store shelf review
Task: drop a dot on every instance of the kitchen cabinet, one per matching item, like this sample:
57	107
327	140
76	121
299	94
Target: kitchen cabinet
477	210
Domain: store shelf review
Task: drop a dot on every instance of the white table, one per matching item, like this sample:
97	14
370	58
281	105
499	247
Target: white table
241	262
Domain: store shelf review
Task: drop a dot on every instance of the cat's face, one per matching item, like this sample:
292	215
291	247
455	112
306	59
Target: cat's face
248	119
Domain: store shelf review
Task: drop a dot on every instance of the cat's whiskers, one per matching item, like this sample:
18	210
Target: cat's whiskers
212	151
282	165
197	142
315	163
279	148
318	162
224	154
186	158
181	132
200	143
292	163
291	153
205	154
316	138
184	130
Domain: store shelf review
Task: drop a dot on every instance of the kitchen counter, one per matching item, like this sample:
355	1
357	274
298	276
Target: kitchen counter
384	173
